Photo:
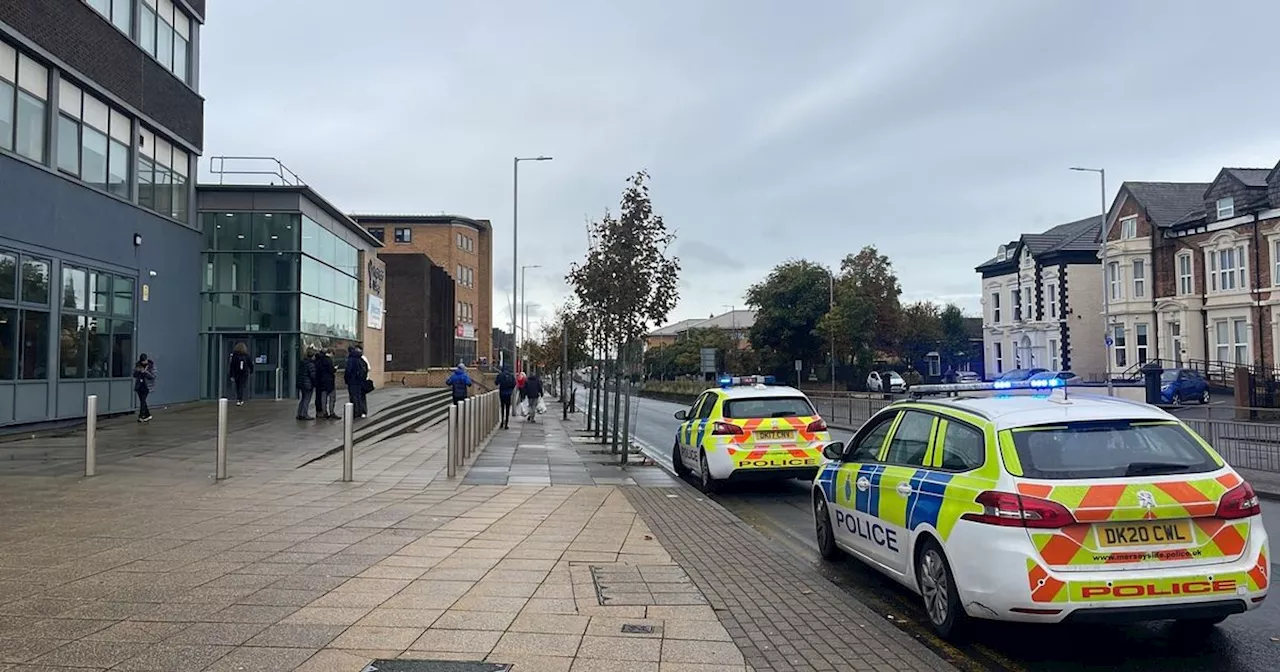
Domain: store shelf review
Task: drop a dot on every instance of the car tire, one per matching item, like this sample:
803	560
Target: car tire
938	591
826	534
1177	399
706	481
1204	396
677	463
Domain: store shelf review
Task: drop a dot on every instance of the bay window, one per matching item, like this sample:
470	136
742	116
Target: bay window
1227	269
1113	280
1118	345
92	140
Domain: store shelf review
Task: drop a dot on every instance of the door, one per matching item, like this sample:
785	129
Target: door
264	351
904	455
686	434
854	503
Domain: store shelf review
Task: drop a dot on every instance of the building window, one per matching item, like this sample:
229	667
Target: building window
1055	357
1129	228
162	176
88	333
1051	300
24	329
1118	345
1240	329
466	276
995	308
1226	208
93	140
1015	300
465	243
997	349
1185	283
119	12
1227	270
1140	333
166	35
1233	341
1028	300
1113	280
379	233
404	235
24	90
1139	278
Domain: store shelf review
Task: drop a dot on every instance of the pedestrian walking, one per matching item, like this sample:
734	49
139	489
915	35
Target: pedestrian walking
533	395
144	383
506	386
306	383
356	376
458	383
241	371
326	384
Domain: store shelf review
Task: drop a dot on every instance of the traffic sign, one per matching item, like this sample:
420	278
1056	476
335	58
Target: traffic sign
708	356
799	365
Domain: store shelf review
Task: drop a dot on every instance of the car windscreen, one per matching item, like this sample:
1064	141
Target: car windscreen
1168	376
768	407
1109	449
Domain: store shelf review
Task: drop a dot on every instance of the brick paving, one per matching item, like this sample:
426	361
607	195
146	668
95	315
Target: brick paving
780	611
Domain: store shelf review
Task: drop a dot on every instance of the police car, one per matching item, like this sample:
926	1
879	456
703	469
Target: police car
749	428
1042	507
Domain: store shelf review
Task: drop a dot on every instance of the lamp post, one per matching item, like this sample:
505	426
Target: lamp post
515	245
524	306
1106	281
832	277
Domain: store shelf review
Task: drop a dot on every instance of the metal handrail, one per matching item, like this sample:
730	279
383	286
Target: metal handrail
218	166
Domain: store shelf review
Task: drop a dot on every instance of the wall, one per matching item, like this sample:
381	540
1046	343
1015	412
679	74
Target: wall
409	292
373	282
67	220
1084	300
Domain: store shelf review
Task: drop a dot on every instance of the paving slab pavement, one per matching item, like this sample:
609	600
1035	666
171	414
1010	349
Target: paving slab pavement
156	567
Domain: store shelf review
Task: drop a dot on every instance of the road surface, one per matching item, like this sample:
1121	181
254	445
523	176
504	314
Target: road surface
1244	643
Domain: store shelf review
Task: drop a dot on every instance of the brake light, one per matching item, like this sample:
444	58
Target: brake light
818	425
723	428
1010	510
1239	502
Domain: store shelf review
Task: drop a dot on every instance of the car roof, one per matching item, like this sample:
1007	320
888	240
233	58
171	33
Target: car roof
758	391
1009	411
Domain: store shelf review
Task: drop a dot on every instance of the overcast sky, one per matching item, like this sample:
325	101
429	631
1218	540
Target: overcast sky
772	130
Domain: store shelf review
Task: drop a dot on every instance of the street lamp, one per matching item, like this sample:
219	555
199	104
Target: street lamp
524	306
515	245
1106	284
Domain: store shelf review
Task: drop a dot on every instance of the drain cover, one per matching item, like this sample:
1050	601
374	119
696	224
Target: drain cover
634	629
434	666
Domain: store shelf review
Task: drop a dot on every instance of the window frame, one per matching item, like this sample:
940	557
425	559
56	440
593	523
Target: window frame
1119	345
995	307
1141	341
1226	207
1055	355
910	413
1114	282
1015	300
938	445
408	235
1051	291
1129	228
884	419
1139	278
1186	280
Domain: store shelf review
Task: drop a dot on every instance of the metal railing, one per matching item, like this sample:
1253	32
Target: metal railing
255	168
1252	443
471	422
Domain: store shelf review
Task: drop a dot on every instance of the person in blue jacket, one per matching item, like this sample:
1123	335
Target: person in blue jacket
458	382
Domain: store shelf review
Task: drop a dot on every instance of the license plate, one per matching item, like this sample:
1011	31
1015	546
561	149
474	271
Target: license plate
1146	533
773	434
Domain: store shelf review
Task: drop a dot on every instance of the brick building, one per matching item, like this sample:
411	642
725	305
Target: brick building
463	247
420	332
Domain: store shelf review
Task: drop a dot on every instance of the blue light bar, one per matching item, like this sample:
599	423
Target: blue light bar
1039	384
745	381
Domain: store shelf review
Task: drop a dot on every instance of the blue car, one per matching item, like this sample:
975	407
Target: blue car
1020	374
1179	386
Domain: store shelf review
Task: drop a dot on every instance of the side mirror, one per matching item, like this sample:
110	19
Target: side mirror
681	415
834	450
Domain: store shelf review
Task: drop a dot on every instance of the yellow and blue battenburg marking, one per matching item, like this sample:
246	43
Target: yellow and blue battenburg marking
928	488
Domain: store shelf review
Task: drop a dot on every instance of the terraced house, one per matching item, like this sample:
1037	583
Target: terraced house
1042	302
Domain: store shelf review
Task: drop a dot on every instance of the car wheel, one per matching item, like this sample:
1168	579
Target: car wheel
938	589
677	462
1177	398
1204	396
705	479
822	523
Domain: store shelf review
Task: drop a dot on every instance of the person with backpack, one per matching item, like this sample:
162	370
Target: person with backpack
326	379
241	371
506	386
306	383
458	383
144	383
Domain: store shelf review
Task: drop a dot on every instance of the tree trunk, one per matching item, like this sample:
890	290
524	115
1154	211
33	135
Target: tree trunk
617	397
604	396
626	413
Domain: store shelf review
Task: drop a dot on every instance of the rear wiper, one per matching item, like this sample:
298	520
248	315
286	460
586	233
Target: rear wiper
1148	468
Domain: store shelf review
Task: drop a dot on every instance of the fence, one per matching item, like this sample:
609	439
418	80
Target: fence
847	410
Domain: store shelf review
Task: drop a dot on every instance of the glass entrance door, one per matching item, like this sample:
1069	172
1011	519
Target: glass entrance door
269	367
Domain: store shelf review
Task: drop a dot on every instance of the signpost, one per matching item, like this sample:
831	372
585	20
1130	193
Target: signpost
799	368
708	364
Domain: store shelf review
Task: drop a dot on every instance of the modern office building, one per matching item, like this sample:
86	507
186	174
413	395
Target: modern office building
419	326
101	125
283	270
464	248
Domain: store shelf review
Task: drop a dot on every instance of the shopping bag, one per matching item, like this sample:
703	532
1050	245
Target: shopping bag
542	406
524	407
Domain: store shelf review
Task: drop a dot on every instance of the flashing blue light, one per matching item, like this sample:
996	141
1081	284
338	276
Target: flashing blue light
1002	385
726	381
770	380
1046	382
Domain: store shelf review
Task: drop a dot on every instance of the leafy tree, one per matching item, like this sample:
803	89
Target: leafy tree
869	277
921	331
789	303
954	336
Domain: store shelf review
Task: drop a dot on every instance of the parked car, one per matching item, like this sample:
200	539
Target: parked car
968	377
887	381
1019	374
1067	377
1182	385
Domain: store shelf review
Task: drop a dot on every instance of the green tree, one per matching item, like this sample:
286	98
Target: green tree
789	303
921	331
868	276
954	336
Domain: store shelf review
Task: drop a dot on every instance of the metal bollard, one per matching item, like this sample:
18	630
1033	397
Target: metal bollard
451	444
458	457
471	426
91	435
348	444
221	469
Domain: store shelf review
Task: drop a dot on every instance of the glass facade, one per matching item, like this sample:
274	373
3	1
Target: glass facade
279	283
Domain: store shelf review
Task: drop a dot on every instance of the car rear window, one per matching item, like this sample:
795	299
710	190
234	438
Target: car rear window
1109	449
768	407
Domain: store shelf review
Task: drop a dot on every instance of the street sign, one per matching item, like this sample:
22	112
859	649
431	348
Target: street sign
1109	341
799	365
708	356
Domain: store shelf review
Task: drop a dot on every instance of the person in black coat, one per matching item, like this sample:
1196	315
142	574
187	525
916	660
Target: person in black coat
532	393
356	376
506	387
306	383
326	384
241	370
